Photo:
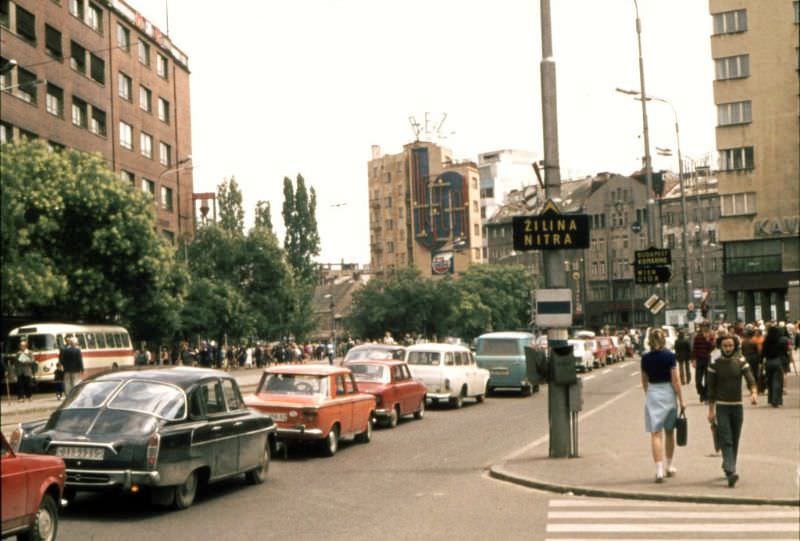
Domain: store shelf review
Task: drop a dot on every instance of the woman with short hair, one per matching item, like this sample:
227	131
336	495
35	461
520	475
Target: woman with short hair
662	387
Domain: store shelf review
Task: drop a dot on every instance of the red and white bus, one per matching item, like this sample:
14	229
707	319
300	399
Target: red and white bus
104	347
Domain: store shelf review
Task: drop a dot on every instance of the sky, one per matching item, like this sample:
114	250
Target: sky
308	86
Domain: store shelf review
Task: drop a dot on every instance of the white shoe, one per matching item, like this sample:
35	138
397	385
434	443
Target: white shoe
671	471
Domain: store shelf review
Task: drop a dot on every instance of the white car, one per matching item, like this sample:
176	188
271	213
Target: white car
584	357
448	371
669	333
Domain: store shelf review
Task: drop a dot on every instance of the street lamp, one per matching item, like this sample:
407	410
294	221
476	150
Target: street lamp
178	166
333	322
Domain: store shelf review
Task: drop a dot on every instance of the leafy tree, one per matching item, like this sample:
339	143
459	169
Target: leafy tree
231	209
214	309
78	244
505	290
264	216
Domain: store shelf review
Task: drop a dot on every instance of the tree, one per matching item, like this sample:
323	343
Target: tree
505	290
231	209
78	244
264	216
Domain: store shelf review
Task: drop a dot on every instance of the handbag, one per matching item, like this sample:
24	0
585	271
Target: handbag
682	427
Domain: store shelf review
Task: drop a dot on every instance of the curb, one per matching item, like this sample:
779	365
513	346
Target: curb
501	474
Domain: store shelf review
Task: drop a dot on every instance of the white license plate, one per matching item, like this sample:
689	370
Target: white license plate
278	417
81	453
500	371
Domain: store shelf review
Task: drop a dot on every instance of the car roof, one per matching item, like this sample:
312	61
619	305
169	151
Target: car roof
308	369
382	362
181	376
506	334
370	345
431	346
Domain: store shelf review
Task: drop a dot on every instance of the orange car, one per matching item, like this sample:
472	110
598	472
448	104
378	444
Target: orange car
315	402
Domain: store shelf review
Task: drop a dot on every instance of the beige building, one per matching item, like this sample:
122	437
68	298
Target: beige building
754	45
424	210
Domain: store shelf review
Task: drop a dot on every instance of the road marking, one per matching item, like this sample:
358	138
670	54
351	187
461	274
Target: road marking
684	515
587	378
635	373
739	527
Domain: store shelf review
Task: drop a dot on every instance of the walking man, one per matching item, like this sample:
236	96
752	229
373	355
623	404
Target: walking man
72	361
701	356
683	352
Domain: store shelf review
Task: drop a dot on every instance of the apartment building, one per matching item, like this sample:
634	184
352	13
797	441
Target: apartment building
424	210
96	76
754	45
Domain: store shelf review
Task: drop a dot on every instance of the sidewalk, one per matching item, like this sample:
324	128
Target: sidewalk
615	459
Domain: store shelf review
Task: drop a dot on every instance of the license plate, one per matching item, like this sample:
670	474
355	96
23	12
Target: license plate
81	453
500	371
278	417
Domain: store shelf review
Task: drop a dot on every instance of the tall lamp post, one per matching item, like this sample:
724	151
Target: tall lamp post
178	166
332	306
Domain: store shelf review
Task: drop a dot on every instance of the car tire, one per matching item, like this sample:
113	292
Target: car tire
527	390
185	493
258	475
366	436
331	442
420	413
458	401
45	524
394	417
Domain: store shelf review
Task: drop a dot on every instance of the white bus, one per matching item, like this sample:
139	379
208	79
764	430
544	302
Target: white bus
103	347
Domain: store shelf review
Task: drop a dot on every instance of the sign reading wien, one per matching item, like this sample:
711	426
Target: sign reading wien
551	230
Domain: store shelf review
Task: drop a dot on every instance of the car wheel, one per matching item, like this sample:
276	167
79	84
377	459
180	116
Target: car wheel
420	413
45	524
185	493
527	390
366	436
331	443
259	475
391	422
458	401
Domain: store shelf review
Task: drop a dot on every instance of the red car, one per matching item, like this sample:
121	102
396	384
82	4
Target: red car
32	486
396	392
608	348
315	402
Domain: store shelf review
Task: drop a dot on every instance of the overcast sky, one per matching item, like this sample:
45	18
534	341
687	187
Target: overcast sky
281	87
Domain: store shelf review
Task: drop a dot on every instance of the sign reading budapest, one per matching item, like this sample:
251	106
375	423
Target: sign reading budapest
551	230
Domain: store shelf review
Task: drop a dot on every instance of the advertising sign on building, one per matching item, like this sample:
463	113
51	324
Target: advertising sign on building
442	263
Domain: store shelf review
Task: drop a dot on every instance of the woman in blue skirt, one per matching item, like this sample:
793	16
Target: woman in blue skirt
662	387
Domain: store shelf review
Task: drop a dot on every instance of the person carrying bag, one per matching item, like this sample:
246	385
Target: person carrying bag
681	429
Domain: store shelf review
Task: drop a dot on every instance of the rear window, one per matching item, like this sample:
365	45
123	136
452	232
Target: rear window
296	384
431	358
377	354
123	422
370	372
91	395
499	346
152	398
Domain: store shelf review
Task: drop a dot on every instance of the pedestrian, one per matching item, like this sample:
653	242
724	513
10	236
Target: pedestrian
58	378
206	358
774	355
164	359
683	354
25	370
701	356
140	357
725	407
751	352
662	387
72	361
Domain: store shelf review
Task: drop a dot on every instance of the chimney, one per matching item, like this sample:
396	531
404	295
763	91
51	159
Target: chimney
376	152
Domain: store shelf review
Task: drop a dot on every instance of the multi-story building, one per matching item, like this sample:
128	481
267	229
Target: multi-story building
754	45
97	76
424	210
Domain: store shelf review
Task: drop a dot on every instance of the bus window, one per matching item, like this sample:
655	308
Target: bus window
81	340
60	341
126	340
90	343
118	340
101	340
110	340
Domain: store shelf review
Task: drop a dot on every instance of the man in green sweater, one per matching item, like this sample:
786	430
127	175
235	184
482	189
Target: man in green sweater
725	393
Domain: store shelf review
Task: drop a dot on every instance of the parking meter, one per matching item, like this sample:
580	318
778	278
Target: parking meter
562	366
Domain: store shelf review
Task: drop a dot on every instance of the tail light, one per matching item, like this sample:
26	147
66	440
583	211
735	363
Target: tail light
153	444
309	415
16	438
378	400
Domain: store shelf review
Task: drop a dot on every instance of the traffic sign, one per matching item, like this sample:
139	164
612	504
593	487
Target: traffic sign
636	227
652	257
652	275
553	308
551	230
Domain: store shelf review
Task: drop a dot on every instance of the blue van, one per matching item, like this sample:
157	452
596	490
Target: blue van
503	355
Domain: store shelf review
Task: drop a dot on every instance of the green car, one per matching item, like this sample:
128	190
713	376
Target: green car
503	355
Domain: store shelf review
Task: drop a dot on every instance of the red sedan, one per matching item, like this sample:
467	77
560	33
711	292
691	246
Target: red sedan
396	392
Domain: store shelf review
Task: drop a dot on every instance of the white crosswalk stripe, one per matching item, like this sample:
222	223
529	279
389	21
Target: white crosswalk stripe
589	519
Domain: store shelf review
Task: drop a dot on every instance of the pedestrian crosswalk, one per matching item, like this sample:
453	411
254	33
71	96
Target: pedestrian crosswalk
584	519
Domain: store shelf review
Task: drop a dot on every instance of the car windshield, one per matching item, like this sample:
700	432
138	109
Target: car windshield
91	395
431	358
499	346
36	342
370	372
151	397
295	384
378	354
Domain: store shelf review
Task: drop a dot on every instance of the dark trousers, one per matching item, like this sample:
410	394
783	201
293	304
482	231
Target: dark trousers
729	429
685	372
775	382
701	379
24	386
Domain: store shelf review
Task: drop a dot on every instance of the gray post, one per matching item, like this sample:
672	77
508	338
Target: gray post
557	395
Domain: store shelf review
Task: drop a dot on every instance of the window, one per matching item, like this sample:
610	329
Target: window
169	235
146	145
145	99
390	247
54	100
125	86
163	110
797	12
736	159
79	112
149	186
735	204
162	66
732	67
211	395
712	236
165	154
144	52
76	8
77	59
26	24
98	124
166	198
98	69
729	114
126	135
95	18
123	38
127	177
231	393
52	42
730	22
5	13
476	230
26	85
6	132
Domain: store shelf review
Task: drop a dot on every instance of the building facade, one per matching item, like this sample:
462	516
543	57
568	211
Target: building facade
754	45
96	76
424	211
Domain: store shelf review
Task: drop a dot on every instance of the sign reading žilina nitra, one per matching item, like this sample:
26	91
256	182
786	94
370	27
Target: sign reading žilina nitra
551	230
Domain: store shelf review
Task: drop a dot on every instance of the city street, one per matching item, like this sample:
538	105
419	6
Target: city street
429	480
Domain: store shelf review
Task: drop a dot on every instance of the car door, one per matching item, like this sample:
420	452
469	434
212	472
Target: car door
361	404
14	488
401	388
250	441
343	401
222	448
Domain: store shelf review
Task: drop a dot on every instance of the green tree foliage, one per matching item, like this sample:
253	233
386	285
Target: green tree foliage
505	290
78	244
264	216
231	209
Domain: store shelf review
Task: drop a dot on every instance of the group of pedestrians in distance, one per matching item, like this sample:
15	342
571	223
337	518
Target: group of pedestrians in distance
760	355
20	369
